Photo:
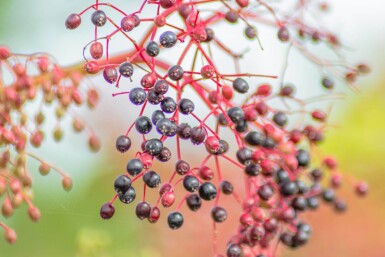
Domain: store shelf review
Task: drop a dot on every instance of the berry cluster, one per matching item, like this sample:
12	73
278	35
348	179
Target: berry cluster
275	149
27	84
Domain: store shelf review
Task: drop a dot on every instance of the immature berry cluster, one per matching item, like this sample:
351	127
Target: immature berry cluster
273	149
27	84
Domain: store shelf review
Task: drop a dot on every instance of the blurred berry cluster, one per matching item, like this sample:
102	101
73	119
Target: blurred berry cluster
272	147
29	83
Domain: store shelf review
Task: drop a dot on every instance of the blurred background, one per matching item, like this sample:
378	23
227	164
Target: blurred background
70	224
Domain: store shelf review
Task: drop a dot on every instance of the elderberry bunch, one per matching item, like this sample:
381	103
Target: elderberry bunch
23	80
273	148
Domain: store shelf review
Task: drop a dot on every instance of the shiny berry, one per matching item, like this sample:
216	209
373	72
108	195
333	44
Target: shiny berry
99	18
194	202
123	143
175	220
122	184
134	167
151	179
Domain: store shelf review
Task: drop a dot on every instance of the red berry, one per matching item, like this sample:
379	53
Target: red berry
73	21
96	50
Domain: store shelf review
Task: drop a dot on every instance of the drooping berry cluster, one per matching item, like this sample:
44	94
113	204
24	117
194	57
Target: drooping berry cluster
27	84
275	148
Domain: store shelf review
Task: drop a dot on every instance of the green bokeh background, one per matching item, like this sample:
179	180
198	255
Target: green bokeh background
70	224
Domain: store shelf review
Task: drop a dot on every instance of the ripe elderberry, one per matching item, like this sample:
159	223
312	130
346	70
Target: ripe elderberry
175	220
218	214
123	143
99	18
168	39
122	184
152	179
194	202
207	191
152	49
137	96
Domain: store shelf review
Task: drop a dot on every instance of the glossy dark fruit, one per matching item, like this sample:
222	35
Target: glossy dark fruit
143	125
168	105
240	85
134	167
151	179
123	143
122	184
128	197
152	49
126	69
175	220
168	39
107	211
207	191
226	187
194	202
143	210
153	147
99	18
191	183
218	214
186	106
182	167
137	96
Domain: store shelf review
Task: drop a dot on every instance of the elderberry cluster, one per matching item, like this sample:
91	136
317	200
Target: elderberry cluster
23	80
270	146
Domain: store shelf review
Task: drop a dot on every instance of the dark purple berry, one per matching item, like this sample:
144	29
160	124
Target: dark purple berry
163	126
299	203
191	183
197	135
161	86
134	167
232	16
244	155
152	49
165	155
312	202
153	147
143	125
168	105
265	192
126	69
107	211
153	97
128	197
157	115
226	187
328	195
110	75
168	39
253	169
218	214
137	96
207	191
182	167
303	158
240	85
236	114
288	188
194	202
175	220
151	179
328	83
123	143
122	184
184	131
99	18
255	138
143	210
250	32
280	118
175	72
186	106
234	250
